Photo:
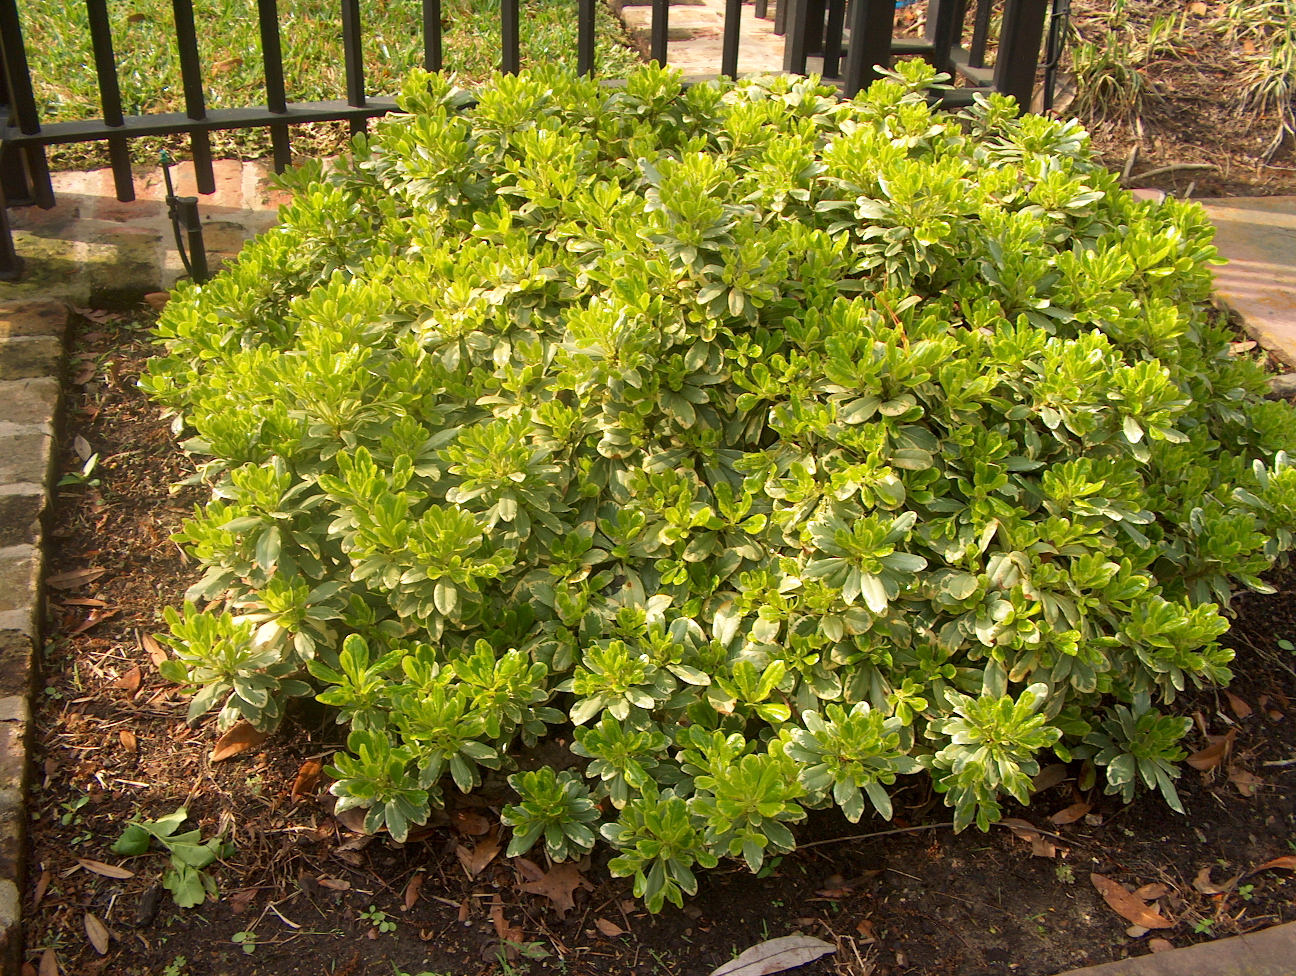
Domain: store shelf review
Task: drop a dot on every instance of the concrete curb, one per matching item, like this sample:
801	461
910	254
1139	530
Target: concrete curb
31	353
1267	953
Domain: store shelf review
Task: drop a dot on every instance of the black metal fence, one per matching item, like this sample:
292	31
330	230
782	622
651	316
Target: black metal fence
812	27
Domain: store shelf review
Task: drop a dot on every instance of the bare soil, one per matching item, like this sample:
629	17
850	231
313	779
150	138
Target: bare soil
1192	111
927	902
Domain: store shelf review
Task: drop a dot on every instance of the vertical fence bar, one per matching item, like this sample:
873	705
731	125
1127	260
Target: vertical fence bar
510	60
11	264
940	31
110	96
762	9
729	49
276	99
585	37
833	39
432	35
780	16
980	34
30	169
1058	24
872	23
660	30
195	103
353	55
1019	48
794	43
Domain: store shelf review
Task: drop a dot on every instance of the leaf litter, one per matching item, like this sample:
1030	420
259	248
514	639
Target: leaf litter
1128	904
776	956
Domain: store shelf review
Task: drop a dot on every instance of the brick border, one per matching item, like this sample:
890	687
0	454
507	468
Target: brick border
31	354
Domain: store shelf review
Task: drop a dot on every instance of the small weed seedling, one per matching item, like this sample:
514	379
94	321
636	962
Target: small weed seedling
1287	646
1204	925
378	919
188	883
176	967
1064	873
1246	892
246	939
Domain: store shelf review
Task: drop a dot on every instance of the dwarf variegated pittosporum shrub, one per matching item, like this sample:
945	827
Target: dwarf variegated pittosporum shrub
764	447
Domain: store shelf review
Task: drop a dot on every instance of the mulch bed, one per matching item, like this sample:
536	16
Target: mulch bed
113	744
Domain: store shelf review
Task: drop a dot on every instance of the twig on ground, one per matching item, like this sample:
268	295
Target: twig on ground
935	826
1172	168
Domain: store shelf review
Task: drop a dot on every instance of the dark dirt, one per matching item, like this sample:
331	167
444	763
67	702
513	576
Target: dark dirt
1192	112
928	902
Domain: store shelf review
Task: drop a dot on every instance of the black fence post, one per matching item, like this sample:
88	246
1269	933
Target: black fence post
26	175
353	54
872	23
276	98
511	62
660	31
1019	48
195	102
729	51
585	37
940	30
794	43
432	35
110	97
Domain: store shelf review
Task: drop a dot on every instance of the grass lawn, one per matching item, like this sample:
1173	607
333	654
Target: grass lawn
62	66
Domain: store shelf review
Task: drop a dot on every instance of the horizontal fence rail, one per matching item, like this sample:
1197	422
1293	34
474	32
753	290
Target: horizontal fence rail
811	27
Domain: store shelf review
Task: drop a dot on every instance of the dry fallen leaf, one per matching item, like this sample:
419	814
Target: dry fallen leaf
1151	892
333	884
107	870
156	652
1247	783
1041	846
240	900
1287	861
1198	9
775	956
1204	884
475	861
559	885
1048	777
1248	47
610	929
865	929
1240	708
158	299
73	601
528	869
1160	945
130	681
470	823
128	740
41	887
82	446
49	963
1213	754
97	934
1071	814
1245	346
94	617
510	935
75	577
238	739
1128	905
412	890
307	780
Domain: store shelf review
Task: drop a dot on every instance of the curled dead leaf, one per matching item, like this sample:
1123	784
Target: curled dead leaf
1287	862
334	884
470	823
1160	945
1213	754
1204	884
158	299
1041	846
93	618
307	780
1127	904
1246	783
128	740
1240	708
240	900
610	929
156	652
412	890
1136	931
42	885
1071	814
476	860
1048	777
239	738
49	963
1151	892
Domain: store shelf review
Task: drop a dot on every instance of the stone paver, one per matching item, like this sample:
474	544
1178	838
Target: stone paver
31	349
1258	236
